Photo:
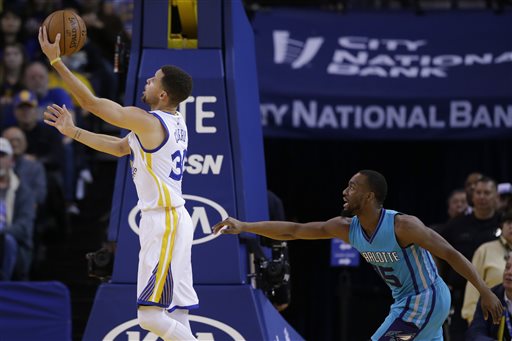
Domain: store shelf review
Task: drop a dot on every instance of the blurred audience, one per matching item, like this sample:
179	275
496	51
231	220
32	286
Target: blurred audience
457	205
11	75
27	167
45	145
469	186
466	233
17	211
489	260
36	79
482	329
11	31
504	197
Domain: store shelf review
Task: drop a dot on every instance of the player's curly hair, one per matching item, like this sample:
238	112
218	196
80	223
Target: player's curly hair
377	183
177	83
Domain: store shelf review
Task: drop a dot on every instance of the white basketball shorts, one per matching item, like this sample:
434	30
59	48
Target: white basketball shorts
165	265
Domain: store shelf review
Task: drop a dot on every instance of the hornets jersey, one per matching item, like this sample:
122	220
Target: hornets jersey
157	173
406	271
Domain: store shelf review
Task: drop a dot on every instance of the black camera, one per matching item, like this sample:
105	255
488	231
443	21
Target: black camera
272	275
273	272
100	264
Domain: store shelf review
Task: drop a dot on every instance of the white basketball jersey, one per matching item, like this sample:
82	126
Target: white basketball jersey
157	173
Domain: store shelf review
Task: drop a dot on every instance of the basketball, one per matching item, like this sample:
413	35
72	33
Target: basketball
71	27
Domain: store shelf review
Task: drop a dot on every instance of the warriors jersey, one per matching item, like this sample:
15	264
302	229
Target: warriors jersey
157	173
406	271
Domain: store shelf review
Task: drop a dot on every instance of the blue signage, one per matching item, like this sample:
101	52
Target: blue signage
226	313
343	254
363	76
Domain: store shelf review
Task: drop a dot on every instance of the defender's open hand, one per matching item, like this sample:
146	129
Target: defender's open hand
228	226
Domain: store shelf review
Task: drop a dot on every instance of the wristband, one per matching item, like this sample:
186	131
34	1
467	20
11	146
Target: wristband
54	61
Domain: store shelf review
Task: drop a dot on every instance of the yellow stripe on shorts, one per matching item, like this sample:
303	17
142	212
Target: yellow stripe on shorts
167	244
149	162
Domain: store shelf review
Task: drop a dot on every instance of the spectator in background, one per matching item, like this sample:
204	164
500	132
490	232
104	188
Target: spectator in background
469	186
27	168
12	68
505	197
102	26
11	74
482	330
42	142
466	233
17	211
35	12
46	146
489	261
31	172
36	79
457	204
11	32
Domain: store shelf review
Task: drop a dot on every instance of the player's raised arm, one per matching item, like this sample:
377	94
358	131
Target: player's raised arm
287	230
60	118
410	230
131	118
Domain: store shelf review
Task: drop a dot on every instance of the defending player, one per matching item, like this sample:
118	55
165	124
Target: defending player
398	246
157	145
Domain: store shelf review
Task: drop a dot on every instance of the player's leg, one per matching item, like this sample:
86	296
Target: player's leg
155	280
420	318
394	328
432	328
180	315
159	323
184	296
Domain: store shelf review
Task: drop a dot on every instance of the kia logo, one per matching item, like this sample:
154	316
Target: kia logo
204	213
124	328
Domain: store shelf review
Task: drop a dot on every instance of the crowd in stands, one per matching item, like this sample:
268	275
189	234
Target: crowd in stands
40	170
480	227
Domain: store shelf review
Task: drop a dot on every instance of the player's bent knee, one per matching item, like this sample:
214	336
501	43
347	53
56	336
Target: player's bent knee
149	318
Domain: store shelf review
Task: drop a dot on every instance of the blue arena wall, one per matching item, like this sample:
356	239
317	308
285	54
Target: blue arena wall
225	175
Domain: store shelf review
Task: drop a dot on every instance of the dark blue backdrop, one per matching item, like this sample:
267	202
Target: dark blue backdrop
375	76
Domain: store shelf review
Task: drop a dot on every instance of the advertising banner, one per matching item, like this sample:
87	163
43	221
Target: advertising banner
362	75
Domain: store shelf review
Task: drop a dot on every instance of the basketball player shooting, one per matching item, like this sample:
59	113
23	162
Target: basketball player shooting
164	286
399	247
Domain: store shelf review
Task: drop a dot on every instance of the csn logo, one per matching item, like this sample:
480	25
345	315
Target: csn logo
203	164
209	329
204	213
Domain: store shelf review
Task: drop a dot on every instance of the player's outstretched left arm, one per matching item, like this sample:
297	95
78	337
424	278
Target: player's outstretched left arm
131	118
410	230
286	230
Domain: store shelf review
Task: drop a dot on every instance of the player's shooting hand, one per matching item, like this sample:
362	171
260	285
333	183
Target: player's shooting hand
228	226
492	306
51	50
60	118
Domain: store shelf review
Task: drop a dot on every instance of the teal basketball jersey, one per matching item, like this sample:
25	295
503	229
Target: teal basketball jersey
407	271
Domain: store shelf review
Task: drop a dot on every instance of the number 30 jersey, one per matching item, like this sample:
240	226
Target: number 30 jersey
407	271
157	173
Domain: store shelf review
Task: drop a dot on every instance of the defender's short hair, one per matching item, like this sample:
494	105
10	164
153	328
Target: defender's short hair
377	183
